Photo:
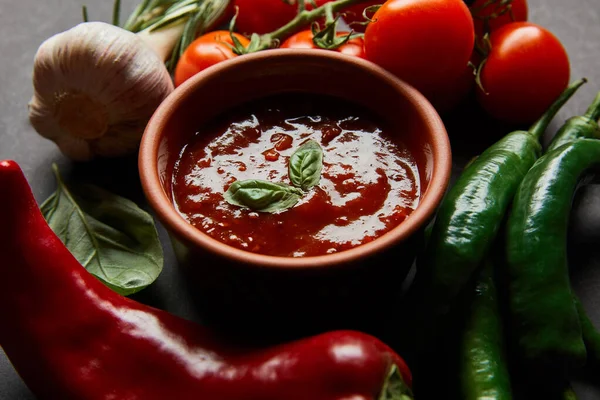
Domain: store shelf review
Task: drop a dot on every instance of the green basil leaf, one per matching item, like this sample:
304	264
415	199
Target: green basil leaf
109	235
262	195
306	165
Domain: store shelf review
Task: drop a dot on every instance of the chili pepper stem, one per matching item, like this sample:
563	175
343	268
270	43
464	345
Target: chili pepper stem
593	112
539	127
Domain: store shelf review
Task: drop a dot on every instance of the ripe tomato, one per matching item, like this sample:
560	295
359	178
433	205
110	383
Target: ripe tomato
526	70
480	10
263	16
455	92
205	51
304	40
426	43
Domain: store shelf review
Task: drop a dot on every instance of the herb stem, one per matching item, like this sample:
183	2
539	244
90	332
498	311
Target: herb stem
116	19
135	15
169	26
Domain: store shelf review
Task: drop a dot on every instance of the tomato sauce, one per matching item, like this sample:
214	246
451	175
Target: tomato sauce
369	182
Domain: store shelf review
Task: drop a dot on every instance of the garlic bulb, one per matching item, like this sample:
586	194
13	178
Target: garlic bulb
95	88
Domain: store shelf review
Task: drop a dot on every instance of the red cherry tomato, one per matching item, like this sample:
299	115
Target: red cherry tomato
427	43
526	70
263	16
516	9
451	95
304	40
209	49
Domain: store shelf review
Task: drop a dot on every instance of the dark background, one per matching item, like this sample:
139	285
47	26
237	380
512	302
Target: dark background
25	24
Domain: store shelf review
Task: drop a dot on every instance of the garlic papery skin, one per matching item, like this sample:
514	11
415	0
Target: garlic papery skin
95	88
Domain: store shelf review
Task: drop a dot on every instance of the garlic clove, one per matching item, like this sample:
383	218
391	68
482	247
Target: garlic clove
95	88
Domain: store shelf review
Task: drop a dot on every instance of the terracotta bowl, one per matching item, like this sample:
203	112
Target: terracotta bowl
351	289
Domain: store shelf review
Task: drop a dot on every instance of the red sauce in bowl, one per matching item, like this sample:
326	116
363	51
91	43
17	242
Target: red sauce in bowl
369	182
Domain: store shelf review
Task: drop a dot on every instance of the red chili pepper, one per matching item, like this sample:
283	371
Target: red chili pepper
71	337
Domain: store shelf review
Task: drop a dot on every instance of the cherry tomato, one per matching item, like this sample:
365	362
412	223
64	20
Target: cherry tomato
426	43
451	95
304	40
518	10
207	50
526	70
263	16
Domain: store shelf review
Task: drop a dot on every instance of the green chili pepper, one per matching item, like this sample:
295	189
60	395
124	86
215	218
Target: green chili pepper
469	218
591	336
585	126
483	367
582	126
544	317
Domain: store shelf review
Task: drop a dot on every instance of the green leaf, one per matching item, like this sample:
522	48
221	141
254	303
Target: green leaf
109	235
262	195
306	165
254	45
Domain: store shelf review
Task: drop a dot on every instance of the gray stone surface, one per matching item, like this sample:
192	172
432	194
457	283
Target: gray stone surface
24	24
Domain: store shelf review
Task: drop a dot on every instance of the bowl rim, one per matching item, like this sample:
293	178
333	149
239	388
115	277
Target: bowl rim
176	224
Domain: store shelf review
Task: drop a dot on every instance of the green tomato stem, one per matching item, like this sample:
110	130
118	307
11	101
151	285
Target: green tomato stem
329	19
302	19
301	6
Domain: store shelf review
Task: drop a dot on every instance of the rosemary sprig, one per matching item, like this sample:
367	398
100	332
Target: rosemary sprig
116	19
199	15
129	25
196	25
146	12
171	15
154	15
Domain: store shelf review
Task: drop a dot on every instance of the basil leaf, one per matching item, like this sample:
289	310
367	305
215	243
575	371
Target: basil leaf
306	165
109	235
262	195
